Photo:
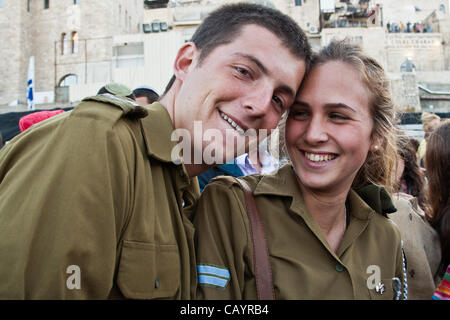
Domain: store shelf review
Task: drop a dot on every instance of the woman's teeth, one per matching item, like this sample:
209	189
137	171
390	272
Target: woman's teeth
319	157
233	124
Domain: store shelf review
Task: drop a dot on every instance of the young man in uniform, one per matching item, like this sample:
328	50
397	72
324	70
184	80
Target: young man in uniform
91	201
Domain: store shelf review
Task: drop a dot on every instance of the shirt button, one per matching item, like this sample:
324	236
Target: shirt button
339	268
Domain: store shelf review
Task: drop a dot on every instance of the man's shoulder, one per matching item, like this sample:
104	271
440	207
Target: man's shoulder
109	107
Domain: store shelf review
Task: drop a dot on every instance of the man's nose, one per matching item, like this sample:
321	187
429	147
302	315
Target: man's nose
259	101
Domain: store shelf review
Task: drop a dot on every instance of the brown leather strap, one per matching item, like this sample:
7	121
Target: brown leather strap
263	271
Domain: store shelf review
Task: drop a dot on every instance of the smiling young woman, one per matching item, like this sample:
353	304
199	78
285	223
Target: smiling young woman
324	240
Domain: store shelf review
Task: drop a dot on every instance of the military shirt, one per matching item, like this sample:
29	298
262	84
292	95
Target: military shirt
91	207
303	264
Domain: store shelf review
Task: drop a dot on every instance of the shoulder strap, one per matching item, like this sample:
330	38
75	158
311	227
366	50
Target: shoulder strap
130	108
263	271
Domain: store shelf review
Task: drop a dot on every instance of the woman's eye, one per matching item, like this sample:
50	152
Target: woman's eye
298	113
338	116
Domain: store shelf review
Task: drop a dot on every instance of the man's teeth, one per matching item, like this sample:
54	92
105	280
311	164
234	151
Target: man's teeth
319	157
233	124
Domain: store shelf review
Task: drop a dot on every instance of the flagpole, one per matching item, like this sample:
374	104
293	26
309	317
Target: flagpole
30	84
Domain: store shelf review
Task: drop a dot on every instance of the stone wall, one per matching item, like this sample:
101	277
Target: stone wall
13	50
39	33
372	40
425	50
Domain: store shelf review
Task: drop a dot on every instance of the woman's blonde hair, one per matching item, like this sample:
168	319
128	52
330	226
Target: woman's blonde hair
379	165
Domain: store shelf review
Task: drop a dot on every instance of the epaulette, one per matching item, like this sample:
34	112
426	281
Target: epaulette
377	198
130	108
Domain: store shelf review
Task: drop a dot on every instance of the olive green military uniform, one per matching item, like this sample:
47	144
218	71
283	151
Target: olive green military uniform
91	207
303	264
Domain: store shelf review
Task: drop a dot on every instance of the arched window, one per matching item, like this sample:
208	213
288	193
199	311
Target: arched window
442	8
67	80
74	42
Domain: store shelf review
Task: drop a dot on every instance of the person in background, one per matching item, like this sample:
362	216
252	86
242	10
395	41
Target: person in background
409	178
27	121
258	160
145	95
421	242
322	237
437	164
443	289
429	122
116	89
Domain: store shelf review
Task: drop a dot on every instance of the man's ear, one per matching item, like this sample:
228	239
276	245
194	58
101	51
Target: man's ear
185	59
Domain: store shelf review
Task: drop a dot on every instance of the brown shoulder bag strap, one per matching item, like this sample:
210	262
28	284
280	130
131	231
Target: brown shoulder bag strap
263	271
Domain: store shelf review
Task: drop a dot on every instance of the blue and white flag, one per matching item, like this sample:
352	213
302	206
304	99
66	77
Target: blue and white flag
30	84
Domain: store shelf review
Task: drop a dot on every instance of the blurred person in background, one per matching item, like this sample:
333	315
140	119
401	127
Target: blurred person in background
257	160
145	95
421	242
429	122
437	164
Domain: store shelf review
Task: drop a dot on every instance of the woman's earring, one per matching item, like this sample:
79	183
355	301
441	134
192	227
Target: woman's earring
376	147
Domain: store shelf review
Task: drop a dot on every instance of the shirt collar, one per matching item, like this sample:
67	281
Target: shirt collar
158	129
284	183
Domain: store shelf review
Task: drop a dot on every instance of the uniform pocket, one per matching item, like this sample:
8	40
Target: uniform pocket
387	293
149	271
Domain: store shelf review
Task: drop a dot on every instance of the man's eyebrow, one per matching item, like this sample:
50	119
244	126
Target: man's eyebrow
265	71
254	60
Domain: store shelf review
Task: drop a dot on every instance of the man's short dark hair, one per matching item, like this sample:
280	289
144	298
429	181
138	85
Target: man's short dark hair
224	24
149	93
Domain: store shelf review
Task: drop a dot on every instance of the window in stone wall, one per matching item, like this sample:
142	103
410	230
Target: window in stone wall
129	55
298	2
76	1
74	42
46	4
1	3
28	5
64	44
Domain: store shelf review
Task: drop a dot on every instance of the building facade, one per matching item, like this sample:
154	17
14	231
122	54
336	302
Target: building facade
80	45
70	39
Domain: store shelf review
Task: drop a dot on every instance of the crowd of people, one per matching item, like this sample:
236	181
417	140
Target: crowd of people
96	204
408	27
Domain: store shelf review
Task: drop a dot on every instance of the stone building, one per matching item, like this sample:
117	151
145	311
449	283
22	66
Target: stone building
135	42
70	39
